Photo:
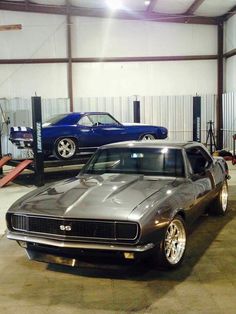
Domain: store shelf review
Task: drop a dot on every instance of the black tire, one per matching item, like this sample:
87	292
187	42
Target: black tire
148	137
173	246
220	205
65	148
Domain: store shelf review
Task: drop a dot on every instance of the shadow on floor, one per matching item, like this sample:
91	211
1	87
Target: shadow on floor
201	236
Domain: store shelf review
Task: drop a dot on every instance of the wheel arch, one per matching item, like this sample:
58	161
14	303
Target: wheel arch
147	133
73	137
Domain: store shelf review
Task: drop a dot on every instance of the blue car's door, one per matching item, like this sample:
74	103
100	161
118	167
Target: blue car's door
99	129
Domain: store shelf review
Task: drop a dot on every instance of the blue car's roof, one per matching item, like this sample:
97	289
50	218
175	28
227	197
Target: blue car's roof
72	117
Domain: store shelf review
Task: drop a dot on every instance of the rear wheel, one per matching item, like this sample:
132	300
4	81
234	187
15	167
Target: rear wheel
220	205
173	245
65	148
148	137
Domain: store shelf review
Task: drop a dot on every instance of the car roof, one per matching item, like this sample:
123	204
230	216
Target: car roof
154	144
87	112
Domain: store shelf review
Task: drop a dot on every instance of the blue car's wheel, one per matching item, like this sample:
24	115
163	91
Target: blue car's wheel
148	137
65	148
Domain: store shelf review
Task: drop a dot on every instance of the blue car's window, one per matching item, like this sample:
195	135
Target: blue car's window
55	119
147	161
85	121
102	119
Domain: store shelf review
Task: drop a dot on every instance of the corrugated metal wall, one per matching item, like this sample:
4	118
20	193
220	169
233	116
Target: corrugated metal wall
229	119
176	113
173	112
120	107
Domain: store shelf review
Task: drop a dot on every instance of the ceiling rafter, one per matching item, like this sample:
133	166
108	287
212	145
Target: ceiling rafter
110	59
195	5
151	5
229	14
79	11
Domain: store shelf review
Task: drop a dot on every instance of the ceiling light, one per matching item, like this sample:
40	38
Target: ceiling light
114	4
147	2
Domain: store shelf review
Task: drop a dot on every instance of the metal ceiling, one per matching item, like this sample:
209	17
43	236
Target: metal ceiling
183	11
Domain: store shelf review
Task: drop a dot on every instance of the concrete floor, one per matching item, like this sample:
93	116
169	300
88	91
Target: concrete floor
206	282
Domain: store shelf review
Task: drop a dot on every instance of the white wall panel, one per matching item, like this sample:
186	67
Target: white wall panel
42	36
147	78
229	119
96	37
230	34
120	107
47	80
230	74
230	64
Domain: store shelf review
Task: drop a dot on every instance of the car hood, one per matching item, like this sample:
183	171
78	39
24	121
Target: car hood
112	196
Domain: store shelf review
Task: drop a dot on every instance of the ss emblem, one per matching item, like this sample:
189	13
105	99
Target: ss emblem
65	228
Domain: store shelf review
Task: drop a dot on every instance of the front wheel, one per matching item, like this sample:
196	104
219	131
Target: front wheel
148	137
220	205
172	247
65	148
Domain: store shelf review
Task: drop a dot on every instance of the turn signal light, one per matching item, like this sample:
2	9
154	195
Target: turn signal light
129	255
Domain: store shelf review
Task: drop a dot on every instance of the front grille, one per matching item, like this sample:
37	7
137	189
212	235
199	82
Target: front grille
73	228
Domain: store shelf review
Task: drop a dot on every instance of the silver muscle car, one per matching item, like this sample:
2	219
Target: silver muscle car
131	200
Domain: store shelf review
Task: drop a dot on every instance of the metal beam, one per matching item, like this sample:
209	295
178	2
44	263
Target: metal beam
230	53
146	59
134	15
33	61
106	60
229	14
196	4
11	27
220	67
69	56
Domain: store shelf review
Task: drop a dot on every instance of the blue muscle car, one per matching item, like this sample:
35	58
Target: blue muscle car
64	135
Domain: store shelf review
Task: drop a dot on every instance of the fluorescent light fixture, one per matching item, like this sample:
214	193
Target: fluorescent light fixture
114	4
147	2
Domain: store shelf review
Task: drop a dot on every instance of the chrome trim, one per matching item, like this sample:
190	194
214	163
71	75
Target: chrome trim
115	222
76	245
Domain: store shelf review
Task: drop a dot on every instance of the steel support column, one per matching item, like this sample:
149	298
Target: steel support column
69	56
220	82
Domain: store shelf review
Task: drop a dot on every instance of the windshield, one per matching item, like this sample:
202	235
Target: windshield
160	161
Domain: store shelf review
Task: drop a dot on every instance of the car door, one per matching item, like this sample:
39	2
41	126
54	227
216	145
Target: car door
202	177
100	129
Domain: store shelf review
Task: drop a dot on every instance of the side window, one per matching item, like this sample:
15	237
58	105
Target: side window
198	159
85	121
102	119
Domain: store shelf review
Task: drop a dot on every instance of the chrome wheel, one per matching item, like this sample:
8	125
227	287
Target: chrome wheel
175	242
148	137
224	197
219	205
66	148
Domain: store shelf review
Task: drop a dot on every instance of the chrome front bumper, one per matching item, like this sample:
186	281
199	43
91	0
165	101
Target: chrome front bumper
80	245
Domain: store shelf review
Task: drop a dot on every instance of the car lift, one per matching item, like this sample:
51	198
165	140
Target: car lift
14	172
38	164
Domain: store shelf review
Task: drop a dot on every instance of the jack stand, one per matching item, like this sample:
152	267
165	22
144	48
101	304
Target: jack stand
211	137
